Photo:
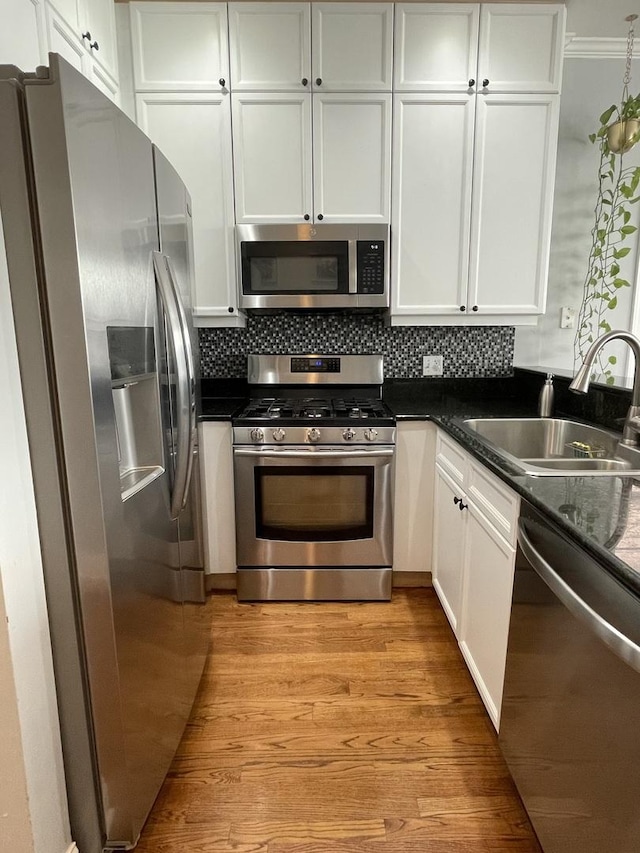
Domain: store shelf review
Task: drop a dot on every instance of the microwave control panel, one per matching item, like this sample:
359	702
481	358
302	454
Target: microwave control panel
370	259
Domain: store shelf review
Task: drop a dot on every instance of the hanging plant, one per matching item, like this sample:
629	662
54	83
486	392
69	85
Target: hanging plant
618	189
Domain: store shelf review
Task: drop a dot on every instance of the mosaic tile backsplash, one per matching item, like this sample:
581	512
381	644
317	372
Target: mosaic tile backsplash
467	351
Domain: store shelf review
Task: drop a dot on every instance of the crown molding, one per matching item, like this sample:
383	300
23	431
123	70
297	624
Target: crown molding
594	47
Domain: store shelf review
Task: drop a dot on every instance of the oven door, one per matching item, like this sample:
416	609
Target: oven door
314	506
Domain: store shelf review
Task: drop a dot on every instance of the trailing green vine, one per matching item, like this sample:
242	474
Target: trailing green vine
618	188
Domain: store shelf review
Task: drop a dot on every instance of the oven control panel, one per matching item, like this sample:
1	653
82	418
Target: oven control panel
302	364
305	435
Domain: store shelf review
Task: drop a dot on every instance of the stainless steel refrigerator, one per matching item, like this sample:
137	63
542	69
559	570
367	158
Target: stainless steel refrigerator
97	231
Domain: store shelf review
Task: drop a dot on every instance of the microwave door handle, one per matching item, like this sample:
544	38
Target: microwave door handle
353	266
185	401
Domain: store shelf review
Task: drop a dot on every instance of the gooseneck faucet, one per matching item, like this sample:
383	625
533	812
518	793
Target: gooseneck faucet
580	383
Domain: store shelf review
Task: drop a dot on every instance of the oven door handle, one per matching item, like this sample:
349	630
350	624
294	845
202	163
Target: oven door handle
271	453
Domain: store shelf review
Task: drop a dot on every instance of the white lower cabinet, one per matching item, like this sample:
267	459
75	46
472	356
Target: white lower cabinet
413	500
486	608
473	563
218	508
448	547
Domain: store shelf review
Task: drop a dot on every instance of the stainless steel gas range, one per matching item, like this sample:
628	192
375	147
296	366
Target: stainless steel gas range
313	467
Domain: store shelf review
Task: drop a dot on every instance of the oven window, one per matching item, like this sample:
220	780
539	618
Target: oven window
272	268
316	505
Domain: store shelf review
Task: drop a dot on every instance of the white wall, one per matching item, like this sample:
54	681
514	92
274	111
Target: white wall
589	87
600	18
29	730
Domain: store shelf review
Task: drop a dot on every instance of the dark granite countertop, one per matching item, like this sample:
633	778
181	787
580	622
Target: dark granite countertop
602	514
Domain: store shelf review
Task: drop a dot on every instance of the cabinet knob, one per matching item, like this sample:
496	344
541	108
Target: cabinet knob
306	217
231	309
485	82
462	505
462	308
475	308
320	216
94	45
305	81
457	500
87	35
222	82
318	81
472	83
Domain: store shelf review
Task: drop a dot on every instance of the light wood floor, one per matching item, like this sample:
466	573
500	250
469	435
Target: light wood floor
341	728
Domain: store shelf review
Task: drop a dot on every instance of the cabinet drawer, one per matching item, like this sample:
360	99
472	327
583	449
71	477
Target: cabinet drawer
496	501
452	459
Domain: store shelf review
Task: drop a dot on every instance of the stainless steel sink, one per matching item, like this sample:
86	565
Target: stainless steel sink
556	447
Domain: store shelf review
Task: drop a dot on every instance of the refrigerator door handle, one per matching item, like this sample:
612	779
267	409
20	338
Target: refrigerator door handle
185	385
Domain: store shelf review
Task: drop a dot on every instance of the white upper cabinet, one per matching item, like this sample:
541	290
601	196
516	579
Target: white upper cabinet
69	11
63	39
84	33
179	46
431	215
514	173
332	47
283	173
495	47
436	46
352	157
272	157
270	46
202	157
99	33
521	47
352	47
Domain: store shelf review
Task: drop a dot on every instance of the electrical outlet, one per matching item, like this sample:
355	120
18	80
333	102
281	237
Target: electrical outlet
432	365
567	317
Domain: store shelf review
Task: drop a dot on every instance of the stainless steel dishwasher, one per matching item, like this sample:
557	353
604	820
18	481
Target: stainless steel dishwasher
570	724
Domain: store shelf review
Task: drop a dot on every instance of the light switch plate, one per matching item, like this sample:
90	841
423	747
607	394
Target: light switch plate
567	317
432	365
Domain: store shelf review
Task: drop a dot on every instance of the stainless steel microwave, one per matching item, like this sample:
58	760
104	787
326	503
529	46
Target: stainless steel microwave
313	267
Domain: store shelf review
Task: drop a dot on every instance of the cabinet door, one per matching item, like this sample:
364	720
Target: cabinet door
436	47
22	33
432	173
270	47
219	521
413	503
352	157
449	547
513	179
194	133
103	82
486	608
99	19
179	46
272	157
521	47
352	46
64	40
69	11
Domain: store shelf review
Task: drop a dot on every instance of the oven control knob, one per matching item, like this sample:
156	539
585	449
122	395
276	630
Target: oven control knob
257	434
371	434
278	434
349	434
313	434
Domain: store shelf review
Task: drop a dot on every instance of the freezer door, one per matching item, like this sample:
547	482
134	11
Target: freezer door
94	182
